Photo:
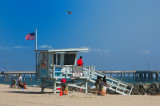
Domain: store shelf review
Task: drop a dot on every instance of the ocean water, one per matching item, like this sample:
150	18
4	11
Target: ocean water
28	80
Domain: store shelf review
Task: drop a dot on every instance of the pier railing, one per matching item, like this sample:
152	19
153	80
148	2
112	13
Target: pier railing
8	74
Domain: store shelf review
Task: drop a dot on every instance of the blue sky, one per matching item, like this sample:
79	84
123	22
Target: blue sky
119	33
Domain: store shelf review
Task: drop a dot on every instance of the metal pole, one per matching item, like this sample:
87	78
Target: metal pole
36	37
36	53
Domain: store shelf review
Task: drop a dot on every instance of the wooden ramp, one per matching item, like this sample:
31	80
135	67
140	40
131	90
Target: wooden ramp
115	85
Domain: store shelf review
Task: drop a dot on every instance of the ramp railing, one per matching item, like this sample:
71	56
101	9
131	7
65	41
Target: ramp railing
115	85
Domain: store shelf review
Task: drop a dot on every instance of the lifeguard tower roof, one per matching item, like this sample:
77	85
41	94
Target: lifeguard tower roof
65	50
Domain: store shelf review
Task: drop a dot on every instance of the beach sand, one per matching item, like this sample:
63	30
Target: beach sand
33	97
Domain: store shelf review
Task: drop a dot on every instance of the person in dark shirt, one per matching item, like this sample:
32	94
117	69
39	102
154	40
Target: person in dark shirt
98	80
80	62
104	80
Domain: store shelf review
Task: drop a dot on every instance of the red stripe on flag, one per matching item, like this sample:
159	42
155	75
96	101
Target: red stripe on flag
29	37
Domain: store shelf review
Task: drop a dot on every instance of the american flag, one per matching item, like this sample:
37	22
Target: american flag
30	36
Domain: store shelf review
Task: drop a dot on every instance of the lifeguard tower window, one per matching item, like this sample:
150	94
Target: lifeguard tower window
58	60
54	59
69	59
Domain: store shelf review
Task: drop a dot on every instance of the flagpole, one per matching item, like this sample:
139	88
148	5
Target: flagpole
36	37
36	53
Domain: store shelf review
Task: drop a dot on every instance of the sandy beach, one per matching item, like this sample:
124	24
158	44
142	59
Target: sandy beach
33	97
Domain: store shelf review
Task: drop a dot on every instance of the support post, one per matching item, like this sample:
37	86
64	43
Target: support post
140	77
149	77
121	76
9	77
42	90
16	76
54	87
31	77
135	76
145	77
4	77
86	85
156	76
152	76
24	78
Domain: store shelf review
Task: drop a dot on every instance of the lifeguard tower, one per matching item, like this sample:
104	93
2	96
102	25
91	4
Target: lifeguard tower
56	64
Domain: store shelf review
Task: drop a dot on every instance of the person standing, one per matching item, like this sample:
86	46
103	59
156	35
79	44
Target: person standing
20	78
80	62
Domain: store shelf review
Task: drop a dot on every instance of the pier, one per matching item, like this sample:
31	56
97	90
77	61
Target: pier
7	74
137	76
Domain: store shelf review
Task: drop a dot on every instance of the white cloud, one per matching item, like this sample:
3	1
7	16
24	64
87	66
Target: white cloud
19	47
146	52
15	47
45	46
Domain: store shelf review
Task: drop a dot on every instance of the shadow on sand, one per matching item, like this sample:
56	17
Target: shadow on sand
29	92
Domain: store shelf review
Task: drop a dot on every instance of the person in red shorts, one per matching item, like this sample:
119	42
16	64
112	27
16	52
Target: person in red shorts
79	62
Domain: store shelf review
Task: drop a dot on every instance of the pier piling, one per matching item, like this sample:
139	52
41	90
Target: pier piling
157	77
145	77
4	77
151	76
31	77
117	76
24	78
121	76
